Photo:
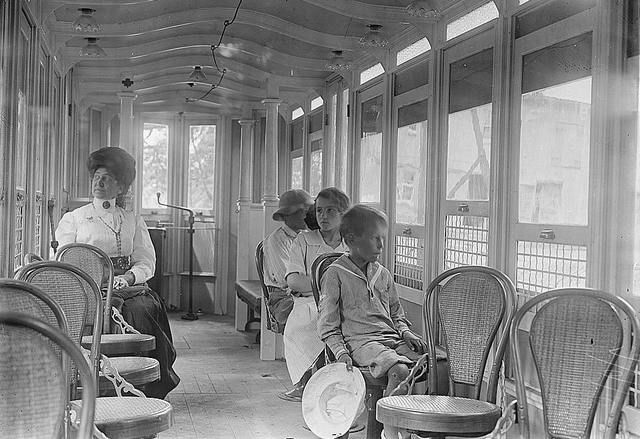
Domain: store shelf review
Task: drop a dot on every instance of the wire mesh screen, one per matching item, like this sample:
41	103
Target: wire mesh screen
37	229
634	391
408	264
465	240
19	229
542	266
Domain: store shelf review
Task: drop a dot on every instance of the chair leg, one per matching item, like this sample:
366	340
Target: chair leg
374	428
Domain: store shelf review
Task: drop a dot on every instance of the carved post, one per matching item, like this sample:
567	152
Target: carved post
271	346
244	252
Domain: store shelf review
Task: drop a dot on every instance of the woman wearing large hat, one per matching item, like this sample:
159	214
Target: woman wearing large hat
123	235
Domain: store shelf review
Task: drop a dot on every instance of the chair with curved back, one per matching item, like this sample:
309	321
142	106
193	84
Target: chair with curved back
41	371
31	257
272	323
472	307
98	265
75	292
577	337
116	417
375	387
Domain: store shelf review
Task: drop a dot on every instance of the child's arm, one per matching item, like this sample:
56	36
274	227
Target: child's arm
401	323
329	327
296	272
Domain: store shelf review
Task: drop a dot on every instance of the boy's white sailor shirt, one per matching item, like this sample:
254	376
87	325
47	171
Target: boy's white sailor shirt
355	309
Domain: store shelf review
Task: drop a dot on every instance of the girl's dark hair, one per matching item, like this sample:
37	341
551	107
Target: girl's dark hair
359	218
337	196
310	219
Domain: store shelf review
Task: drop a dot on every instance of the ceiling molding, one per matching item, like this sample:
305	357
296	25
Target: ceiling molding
162	24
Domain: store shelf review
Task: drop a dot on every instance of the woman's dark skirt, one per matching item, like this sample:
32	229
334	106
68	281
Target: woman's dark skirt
143	309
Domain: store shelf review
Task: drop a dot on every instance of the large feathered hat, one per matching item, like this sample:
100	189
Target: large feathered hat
117	161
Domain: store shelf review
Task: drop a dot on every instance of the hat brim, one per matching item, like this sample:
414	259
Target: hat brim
279	214
332	400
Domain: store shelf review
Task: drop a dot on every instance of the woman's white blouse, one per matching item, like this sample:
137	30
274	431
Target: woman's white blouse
88	225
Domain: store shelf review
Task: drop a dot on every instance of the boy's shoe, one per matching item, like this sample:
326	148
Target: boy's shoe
293	395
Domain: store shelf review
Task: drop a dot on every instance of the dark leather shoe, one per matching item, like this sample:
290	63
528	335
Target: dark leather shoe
293	395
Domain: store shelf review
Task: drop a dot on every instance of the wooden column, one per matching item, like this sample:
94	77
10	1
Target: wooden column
126	121
244	252
127	135
271	346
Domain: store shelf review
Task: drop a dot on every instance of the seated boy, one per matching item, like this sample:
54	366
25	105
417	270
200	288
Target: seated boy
360	316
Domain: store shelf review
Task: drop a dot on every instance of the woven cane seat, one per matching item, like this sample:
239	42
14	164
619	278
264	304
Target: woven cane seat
121	344
131	417
136	370
438	414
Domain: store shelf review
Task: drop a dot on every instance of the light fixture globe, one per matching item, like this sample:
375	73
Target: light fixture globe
85	23
337	63
422	9
197	75
92	49
373	37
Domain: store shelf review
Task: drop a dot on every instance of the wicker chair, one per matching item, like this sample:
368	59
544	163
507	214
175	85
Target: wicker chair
473	307
575	340
117	417
74	291
38	409
98	265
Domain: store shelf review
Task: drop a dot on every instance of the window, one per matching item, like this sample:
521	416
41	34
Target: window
554	134
296	173
344	141
469	145
315	172
371	73
316	103
296	154
332	147
297	113
473	19
370	169
202	146
551	216
411	163
411	51
155	152
468	159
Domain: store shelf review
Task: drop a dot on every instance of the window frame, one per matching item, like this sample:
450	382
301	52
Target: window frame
564	234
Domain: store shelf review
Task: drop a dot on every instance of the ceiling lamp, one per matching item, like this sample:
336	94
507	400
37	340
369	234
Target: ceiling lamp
422	9
337	62
373	37
85	23
197	75
92	49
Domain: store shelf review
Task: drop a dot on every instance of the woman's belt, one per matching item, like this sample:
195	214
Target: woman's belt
121	263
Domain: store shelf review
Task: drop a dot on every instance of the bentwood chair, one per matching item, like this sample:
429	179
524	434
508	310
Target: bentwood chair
577	338
34	384
98	265
61	281
272	323
472	308
375	387
116	417
74	291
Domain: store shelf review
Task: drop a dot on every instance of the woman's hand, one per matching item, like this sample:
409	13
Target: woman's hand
120	282
415	343
346	359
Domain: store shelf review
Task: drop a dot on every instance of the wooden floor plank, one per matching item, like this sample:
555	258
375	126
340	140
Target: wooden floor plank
226	391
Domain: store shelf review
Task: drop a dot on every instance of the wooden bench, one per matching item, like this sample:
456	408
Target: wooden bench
250	292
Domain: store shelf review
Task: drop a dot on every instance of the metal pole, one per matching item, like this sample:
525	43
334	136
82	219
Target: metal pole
190	315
